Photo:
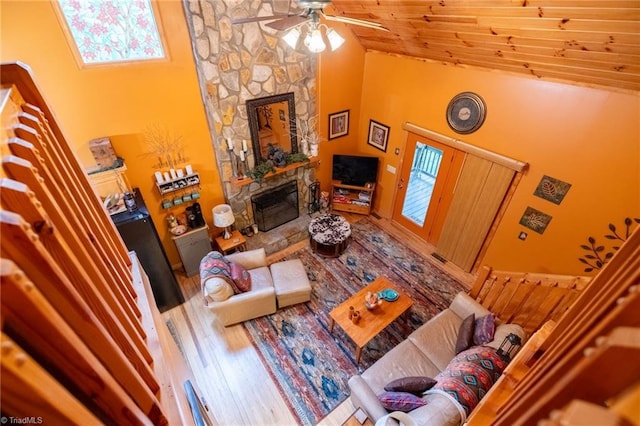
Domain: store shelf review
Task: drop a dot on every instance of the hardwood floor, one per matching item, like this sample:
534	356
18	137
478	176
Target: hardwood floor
226	367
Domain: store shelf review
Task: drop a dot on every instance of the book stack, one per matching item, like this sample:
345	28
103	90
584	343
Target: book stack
340	199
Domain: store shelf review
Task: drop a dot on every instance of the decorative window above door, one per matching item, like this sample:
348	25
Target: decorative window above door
110	31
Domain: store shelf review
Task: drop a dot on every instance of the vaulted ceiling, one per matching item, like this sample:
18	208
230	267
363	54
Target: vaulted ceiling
583	41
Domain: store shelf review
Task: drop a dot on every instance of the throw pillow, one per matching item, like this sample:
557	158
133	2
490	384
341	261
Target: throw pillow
413	384
241	278
465	333
484	329
400	401
214	265
216	289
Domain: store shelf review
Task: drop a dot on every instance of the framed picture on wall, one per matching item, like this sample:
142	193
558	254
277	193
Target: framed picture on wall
378	135
535	220
338	124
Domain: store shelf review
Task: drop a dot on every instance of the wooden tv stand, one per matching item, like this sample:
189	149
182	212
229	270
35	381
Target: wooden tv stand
352	198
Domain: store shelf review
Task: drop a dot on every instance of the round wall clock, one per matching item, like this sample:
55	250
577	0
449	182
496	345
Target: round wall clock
466	113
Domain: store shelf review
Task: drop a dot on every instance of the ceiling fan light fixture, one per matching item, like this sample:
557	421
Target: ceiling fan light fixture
291	37
314	41
335	39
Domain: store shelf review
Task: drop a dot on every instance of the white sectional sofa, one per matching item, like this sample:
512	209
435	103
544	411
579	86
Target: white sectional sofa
426	352
276	286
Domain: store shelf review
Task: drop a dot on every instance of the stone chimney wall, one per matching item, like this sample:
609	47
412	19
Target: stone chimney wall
236	63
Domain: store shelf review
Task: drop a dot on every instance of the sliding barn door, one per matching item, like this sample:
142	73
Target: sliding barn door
480	191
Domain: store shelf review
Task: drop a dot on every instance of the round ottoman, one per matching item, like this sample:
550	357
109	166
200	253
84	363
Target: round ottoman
329	234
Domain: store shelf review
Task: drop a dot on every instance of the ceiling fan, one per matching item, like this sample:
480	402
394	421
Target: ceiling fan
312	10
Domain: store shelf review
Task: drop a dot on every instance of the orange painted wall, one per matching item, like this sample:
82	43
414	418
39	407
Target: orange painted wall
585	136
339	88
119	101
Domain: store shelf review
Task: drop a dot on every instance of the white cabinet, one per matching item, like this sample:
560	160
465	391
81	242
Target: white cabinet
192	247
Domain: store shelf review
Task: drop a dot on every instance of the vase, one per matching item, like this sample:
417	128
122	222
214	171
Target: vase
313	150
304	146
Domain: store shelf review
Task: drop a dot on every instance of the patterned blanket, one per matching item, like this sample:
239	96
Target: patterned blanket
470	375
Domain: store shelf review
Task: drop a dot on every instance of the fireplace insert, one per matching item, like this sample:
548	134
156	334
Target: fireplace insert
276	206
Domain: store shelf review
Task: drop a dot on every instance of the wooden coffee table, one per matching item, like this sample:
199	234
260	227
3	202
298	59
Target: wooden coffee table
371	322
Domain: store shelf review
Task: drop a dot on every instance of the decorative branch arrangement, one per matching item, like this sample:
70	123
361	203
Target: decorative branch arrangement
309	138
165	146
598	255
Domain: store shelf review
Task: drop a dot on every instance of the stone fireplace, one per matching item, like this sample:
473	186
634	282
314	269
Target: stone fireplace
240	197
236	63
276	206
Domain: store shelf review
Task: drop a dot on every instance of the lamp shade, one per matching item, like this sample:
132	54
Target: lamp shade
314	41
223	216
292	37
335	39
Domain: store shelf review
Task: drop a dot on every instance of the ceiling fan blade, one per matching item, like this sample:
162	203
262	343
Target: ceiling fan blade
353	21
288	22
259	18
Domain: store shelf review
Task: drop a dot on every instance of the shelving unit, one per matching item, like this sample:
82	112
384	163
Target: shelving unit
352	198
177	184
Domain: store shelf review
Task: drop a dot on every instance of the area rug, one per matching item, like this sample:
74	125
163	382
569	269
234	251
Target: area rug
310	365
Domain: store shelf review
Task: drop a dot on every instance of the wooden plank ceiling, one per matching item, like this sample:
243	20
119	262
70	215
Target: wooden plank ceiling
588	42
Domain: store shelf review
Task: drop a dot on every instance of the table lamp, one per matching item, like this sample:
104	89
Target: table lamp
223	218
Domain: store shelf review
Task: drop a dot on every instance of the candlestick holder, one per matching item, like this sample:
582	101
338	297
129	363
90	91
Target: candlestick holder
232	158
241	167
243	162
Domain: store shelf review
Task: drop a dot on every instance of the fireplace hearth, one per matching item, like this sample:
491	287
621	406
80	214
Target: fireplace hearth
275	207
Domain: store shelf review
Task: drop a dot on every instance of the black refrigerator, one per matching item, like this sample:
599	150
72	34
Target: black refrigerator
140	235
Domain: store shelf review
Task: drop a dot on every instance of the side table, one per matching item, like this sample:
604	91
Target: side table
237	241
192	246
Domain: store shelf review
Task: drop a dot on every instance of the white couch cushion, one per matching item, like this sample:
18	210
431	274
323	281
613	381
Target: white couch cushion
464	305
250	259
291	282
405	360
438	411
437	338
257	302
260	278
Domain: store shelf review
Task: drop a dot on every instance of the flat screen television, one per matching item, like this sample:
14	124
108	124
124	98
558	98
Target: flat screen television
354	170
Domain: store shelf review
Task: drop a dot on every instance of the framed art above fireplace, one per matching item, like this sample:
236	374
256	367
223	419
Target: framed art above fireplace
272	122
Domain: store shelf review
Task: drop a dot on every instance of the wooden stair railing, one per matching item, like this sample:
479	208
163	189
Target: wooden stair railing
526	298
588	358
82	340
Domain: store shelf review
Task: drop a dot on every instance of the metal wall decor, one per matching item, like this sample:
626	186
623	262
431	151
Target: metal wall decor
552	189
535	220
466	113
